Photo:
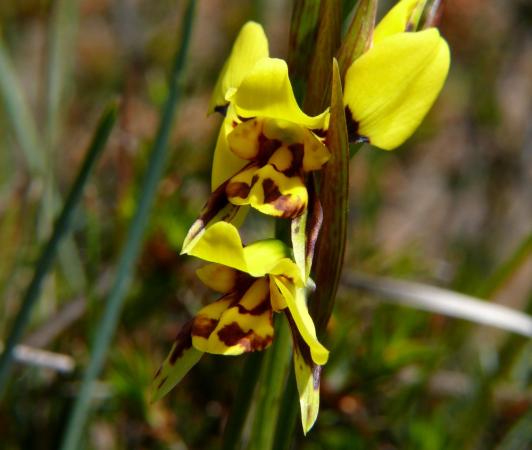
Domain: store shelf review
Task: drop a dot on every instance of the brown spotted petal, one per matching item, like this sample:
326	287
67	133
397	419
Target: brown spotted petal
239	322
269	191
179	361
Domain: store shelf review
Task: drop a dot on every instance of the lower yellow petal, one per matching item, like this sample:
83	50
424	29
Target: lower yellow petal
218	277
297	305
243	327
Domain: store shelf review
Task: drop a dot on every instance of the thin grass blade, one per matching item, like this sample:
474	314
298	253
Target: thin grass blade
108	322
49	252
442	301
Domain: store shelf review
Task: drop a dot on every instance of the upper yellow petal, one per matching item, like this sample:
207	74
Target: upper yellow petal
396	20
266	92
390	88
250	46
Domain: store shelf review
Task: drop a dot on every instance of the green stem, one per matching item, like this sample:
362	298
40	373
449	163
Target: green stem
276	366
286	423
50	250
242	402
113	306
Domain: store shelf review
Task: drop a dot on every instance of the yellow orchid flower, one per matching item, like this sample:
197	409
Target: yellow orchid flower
256	280
390	88
266	144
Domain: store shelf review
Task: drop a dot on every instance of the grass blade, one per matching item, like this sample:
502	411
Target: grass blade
49	252
132	246
442	301
18	113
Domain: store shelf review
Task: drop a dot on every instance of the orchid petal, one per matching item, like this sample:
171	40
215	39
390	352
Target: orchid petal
229	327
250	46
179	361
295	299
389	89
266	92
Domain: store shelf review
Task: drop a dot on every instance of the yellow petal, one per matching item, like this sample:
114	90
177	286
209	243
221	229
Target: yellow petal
276	298
225	162
397	19
179	361
250	46
308	386
390	88
218	277
246	326
297	305
263	257
269	191
220	243
266	92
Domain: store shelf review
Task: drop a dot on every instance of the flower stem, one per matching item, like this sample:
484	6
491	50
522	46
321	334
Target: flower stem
273	377
242	402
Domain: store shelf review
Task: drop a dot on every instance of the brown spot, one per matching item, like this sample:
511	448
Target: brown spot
319	132
271	190
158	372
352	128
316	375
203	326
232	334
160	385
261	308
237	189
298	152
183	341
266	148
222	109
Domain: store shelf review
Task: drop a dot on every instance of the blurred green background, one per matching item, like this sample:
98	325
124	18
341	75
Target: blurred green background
452	207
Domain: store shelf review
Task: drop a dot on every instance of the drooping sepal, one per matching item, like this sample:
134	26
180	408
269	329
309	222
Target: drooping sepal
182	357
308	375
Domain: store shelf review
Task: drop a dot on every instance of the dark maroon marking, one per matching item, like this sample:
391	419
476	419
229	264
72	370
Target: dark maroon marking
222	109
296	165
352	129
254	179
314	222
162	382
300	345
281	202
271	190
203	326
232	334
319	132
245	119
261	308
266	149
237	189
183	341
158	372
